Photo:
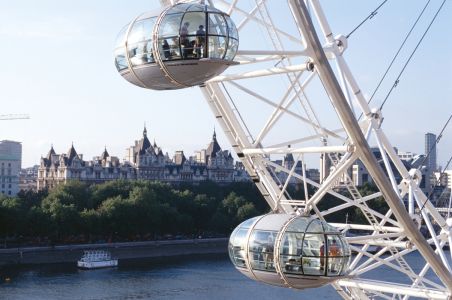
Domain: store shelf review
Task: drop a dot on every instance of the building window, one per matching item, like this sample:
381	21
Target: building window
9	192
365	178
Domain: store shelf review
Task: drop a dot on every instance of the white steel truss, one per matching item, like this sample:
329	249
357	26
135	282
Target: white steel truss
283	99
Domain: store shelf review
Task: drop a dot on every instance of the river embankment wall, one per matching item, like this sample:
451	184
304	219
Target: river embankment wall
128	250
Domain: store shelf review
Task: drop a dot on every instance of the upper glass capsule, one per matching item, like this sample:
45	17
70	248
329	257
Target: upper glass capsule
183	45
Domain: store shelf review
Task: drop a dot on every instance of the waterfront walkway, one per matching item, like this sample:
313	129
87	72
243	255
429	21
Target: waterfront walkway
125	250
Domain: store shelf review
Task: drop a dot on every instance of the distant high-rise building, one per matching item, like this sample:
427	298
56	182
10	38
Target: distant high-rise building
10	166
430	150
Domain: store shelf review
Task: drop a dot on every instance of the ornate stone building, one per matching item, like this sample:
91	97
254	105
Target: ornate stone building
143	160
57	169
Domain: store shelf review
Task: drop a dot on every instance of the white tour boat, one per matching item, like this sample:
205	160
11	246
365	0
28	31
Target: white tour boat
93	259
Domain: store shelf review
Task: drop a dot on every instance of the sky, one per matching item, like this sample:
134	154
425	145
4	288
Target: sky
57	66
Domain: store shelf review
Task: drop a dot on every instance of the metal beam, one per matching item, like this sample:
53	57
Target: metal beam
284	150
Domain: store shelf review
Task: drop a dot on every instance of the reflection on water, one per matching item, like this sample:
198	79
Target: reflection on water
201	277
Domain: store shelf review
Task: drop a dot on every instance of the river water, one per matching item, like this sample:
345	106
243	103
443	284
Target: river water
200	277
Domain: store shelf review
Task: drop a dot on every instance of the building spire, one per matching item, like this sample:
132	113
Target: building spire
51	152
145	132
71	153
105	154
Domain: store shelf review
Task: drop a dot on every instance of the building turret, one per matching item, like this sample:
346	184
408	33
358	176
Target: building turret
213	147
51	152
71	154
104	154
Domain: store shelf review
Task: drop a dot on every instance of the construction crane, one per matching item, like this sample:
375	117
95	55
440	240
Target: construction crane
14	117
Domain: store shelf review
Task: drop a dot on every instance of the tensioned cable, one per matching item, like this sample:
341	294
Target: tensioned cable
398	51
396	82
372	14
396	55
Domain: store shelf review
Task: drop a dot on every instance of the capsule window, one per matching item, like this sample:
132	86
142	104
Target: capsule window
233	33
291	253
169	48
261	249
140	53
217	25
182	7
121	38
338	255
298	225
335	265
170	26
194	39
237	247
120	53
120	59
315	226
217	46
136	33
194	20
313	254
248	223
139	44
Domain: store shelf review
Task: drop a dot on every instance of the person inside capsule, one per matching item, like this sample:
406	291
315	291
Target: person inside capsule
200	41
268	252
333	252
166	49
184	42
322	256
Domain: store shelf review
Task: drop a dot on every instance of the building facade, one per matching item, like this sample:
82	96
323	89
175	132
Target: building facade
288	164
10	167
144	160
28	178
444	178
